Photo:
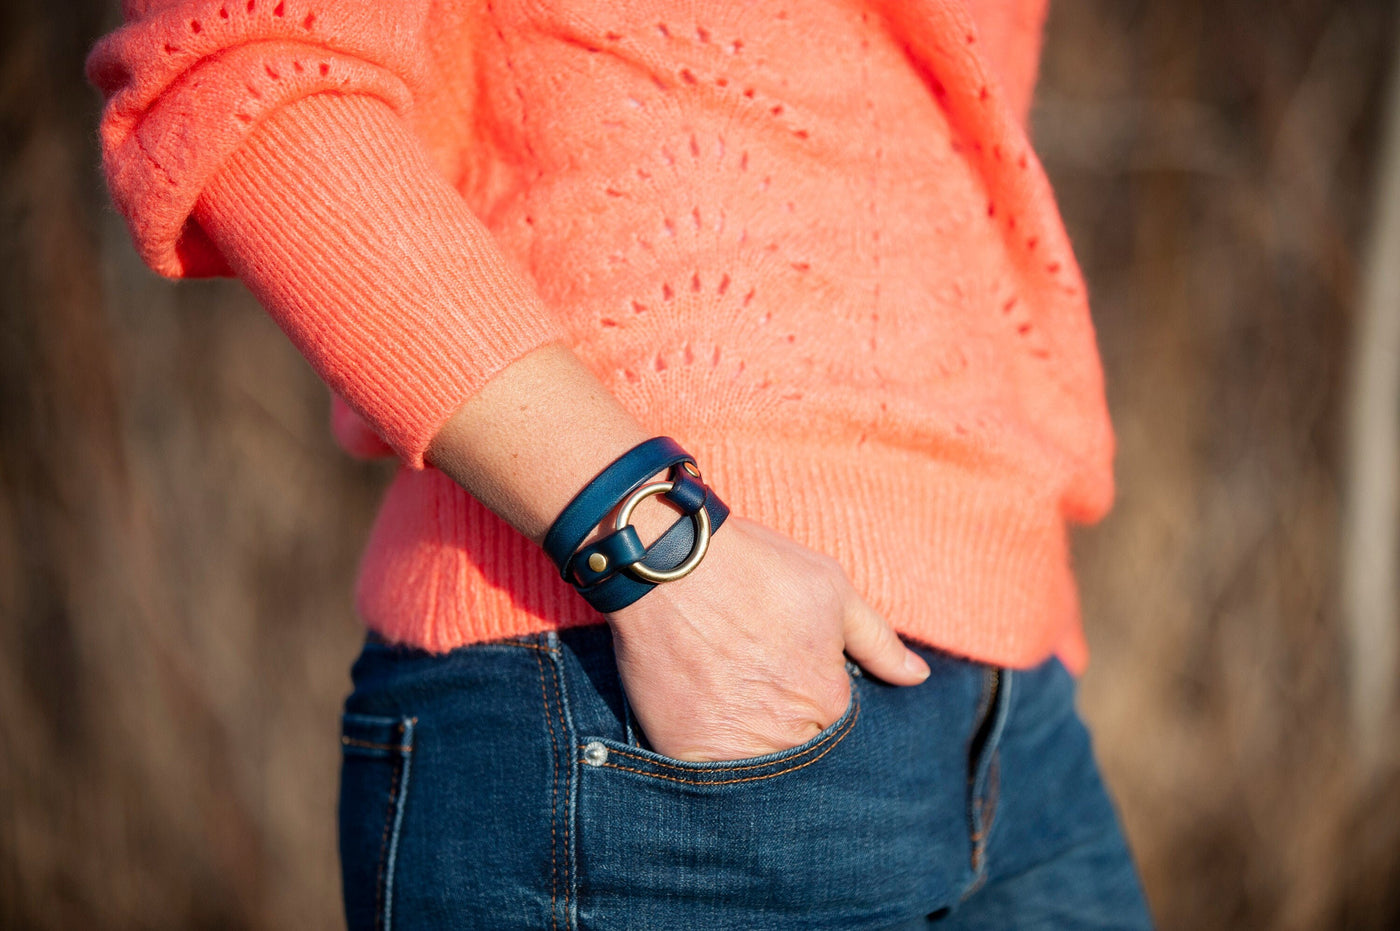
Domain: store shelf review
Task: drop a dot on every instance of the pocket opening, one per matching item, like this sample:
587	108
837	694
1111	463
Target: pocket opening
629	757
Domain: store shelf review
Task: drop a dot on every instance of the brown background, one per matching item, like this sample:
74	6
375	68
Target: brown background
178	533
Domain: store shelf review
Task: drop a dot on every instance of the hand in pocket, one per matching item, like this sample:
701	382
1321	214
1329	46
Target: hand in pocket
744	656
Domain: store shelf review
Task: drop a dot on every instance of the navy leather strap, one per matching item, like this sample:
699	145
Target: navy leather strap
616	550
625	475
619	590
623	547
600	571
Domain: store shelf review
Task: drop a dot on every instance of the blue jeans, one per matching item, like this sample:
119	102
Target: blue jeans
503	785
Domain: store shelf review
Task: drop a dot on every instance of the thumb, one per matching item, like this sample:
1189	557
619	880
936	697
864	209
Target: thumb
873	644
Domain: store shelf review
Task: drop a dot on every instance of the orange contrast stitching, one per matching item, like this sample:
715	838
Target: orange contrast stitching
522	643
839	735
352	742
384	839
554	805
563	730
855	712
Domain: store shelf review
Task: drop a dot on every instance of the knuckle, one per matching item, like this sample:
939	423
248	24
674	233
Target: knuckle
788	731
836	695
821	594
836	574
824	567
802	726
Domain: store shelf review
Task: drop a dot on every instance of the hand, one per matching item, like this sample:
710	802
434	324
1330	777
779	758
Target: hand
744	656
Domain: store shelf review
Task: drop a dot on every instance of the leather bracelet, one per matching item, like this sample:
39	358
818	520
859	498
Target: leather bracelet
616	570
669	551
623	475
593	563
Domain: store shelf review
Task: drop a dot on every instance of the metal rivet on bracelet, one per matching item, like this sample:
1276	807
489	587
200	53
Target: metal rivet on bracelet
597	562
595	754
690	467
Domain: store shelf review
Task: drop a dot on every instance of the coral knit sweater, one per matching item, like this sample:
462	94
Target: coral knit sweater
810	240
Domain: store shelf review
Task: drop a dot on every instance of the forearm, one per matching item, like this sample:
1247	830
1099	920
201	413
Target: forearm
533	436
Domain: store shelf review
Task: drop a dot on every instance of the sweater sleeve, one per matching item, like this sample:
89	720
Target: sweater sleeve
1011	32
270	139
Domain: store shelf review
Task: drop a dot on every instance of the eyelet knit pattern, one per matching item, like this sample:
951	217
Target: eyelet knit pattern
811	241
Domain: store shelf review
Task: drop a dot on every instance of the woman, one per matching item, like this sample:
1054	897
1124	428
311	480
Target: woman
810	242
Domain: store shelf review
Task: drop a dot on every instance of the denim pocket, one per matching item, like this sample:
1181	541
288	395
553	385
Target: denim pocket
861	827
376	758
629	758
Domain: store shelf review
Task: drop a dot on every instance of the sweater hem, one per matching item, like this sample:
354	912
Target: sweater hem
974	563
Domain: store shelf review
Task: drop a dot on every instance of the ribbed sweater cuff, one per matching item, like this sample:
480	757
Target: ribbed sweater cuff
372	263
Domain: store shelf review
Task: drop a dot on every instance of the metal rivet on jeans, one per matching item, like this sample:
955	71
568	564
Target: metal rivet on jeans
595	754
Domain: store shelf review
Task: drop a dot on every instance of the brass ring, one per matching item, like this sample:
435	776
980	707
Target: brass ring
697	551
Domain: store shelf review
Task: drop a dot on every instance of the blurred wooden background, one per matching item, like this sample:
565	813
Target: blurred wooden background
178	533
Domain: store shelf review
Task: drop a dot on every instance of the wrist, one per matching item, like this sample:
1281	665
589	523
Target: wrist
532	436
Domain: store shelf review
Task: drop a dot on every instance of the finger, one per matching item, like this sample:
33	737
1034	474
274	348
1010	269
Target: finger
873	644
